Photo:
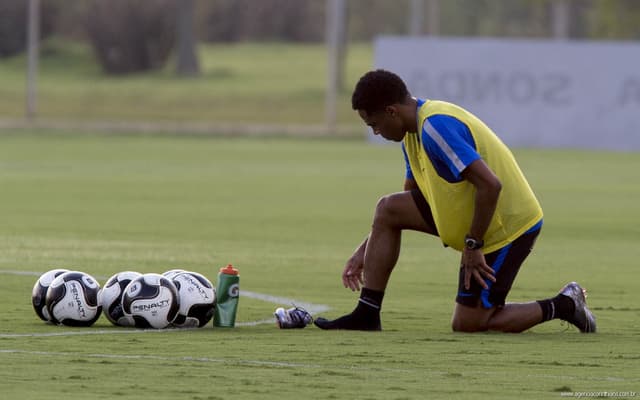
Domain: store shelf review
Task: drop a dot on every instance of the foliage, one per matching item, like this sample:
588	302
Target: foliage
303	20
13	17
265	20
131	35
615	19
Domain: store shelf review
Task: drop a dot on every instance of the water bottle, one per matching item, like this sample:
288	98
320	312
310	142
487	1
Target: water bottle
227	291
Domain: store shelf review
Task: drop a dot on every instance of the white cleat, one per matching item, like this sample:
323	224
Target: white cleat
295	317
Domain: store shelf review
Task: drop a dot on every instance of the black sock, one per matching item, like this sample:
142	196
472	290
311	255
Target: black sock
365	317
560	306
370	299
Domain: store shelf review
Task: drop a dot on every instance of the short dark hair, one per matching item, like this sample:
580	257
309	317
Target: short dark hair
377	90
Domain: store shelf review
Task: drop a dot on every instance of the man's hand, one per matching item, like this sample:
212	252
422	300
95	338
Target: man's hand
352	274
475	265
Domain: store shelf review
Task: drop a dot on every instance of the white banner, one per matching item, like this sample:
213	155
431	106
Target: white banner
532	93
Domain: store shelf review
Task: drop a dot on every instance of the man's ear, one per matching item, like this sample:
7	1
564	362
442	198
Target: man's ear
391	110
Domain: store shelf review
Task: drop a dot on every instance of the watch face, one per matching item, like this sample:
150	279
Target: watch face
472	243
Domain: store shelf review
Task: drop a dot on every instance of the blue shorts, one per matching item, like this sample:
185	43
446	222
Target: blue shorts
506	263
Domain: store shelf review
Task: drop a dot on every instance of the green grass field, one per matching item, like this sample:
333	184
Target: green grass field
243	83
288	213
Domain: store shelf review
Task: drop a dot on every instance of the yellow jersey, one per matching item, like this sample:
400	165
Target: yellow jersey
436	157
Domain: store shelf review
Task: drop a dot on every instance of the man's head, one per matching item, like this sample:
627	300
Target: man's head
383	102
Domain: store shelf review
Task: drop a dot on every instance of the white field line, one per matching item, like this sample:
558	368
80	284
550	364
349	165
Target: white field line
312	308
285	301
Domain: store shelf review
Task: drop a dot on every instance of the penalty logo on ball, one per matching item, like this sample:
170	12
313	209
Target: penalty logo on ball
179	298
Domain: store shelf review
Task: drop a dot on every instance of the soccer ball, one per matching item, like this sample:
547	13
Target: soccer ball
197	300
111	297
151	300
39	293
171	273
72	299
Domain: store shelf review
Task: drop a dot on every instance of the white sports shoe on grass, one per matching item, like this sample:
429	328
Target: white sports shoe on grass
292	318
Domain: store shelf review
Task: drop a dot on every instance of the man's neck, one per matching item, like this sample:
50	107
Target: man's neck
411	115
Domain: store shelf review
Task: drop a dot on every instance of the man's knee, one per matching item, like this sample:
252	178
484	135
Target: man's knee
470	319
399	211
384	211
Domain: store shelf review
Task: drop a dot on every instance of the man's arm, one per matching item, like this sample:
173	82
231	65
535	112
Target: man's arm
352	277
352	273
488	188
410	184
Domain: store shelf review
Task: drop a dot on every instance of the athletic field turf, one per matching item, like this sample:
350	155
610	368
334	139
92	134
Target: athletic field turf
288	214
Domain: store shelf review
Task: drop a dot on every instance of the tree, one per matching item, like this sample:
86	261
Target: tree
13	17
130	35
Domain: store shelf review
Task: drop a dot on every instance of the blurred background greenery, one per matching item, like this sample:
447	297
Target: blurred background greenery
235	65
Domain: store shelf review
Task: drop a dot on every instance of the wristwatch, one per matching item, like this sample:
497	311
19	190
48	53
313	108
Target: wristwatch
472	243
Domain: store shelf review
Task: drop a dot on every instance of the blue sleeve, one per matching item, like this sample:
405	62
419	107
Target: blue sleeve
408	174
449	144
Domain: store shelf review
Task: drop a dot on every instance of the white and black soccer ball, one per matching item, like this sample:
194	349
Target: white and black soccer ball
172	272
152	301
39	292
197	299
72	299
111	297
